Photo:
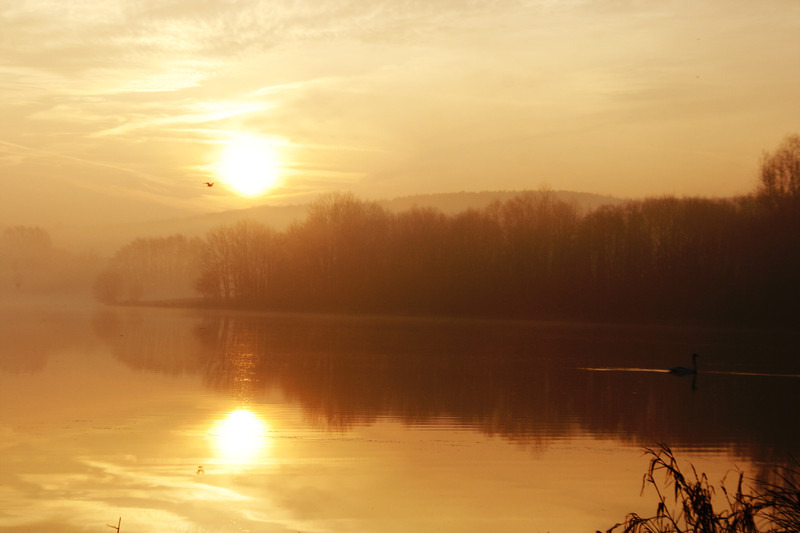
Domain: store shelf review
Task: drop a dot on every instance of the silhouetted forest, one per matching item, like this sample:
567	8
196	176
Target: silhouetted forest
530	256
163	267
30	265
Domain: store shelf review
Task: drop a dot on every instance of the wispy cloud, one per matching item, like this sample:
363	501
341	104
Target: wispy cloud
201	113
26	151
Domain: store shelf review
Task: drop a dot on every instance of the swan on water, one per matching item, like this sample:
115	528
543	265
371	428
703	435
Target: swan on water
684	370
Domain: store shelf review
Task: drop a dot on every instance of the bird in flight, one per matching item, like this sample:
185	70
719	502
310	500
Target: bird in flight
209	183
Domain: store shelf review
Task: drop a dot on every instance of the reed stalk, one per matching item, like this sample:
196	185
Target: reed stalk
686	501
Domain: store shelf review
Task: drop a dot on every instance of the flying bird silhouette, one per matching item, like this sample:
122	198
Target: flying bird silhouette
209	183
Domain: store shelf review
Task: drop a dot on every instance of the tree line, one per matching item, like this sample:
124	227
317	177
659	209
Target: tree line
150	268
530	256
30	265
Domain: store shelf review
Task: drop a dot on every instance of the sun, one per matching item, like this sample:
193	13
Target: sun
248	165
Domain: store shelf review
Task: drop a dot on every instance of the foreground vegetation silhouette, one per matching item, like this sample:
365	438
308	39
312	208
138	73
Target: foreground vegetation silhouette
768	507
534	256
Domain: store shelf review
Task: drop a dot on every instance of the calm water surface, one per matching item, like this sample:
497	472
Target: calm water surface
195	421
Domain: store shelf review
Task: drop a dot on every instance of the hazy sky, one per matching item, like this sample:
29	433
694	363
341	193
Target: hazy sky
120	110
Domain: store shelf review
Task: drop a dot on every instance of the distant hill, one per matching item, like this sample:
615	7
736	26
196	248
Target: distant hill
452	203
105	240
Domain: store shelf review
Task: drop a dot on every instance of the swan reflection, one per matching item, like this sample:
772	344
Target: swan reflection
241	437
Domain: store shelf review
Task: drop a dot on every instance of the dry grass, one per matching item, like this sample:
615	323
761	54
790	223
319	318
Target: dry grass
685	502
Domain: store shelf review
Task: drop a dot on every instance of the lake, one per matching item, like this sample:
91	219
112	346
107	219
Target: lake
163	420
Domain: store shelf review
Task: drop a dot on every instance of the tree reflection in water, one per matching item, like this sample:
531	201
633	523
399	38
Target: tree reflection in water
525	381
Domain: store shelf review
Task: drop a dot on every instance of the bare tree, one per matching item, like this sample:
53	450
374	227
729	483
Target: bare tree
240	262
780	171
162	267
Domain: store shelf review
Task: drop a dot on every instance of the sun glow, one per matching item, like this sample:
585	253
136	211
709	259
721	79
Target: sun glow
248	165
241	437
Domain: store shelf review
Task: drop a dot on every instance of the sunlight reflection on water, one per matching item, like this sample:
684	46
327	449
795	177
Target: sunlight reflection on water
241	437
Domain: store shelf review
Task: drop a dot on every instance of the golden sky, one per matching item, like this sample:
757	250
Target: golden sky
119	110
